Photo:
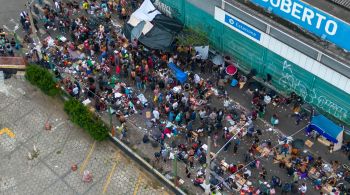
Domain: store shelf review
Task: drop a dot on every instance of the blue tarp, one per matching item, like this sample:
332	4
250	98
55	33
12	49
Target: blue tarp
325	127
179	74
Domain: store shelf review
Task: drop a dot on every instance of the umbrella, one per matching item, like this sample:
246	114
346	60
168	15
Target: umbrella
231	70
218	60
298	143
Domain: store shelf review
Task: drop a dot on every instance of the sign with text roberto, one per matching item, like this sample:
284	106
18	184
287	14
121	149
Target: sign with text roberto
238	25
311	19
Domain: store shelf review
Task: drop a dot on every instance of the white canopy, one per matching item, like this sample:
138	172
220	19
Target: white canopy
146	12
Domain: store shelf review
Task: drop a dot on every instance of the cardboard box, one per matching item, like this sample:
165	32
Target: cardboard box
309	143
148	115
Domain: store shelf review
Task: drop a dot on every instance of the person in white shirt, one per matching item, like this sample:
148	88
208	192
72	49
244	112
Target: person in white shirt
167	97
156	114
202	114
226	103
75	90
247	173
175	104
57	5
197	79
303	188
184	100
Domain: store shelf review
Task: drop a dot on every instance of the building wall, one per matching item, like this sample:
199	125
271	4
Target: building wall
291	70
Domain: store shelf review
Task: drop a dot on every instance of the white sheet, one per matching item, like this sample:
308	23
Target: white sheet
148	26
146	11
133	21
203	51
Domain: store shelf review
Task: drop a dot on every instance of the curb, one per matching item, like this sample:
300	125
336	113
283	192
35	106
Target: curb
146	165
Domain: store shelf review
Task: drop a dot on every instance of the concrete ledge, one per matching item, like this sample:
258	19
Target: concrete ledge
146	165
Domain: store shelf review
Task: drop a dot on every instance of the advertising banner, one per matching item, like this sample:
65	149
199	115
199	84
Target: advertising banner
311	19
238	25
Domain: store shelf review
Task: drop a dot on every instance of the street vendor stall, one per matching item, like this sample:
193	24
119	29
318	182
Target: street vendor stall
330	132
179	74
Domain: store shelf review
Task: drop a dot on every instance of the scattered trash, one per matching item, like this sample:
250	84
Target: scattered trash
30	156
47	126
33	154
74	167
87	176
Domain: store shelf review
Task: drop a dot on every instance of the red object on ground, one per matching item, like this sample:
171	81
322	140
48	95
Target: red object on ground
74	167
47	126
231	70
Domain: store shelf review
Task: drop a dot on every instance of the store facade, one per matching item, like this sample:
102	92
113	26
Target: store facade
307	72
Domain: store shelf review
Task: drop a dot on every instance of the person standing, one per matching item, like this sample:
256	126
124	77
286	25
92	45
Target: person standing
303	189
156	115
274	120
215	139
86	6
263	173
236	144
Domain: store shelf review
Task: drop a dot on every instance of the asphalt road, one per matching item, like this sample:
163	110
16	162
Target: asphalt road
9	14
24	111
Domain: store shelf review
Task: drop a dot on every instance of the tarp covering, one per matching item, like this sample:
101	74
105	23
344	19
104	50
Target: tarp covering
137	31
152	29
325	127
202	51
167	23
157	38
146	11
148	26
180	75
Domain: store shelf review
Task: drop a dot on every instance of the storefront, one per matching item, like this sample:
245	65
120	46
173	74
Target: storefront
330	133
288	69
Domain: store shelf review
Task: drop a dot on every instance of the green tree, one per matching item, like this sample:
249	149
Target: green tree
42	78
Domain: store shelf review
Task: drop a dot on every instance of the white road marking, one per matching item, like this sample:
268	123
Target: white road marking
59	124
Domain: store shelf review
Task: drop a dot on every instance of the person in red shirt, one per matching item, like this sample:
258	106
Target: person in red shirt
117	70
150	62
233	169
167	131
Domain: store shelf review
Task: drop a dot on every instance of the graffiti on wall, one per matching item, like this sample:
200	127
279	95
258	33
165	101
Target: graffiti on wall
290	82
162	7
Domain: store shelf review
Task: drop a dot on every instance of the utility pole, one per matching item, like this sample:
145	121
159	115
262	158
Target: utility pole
110	116
207	171
111	120
175	168
35	37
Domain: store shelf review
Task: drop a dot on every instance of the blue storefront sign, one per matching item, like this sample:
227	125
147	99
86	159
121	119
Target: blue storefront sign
242	27
314	20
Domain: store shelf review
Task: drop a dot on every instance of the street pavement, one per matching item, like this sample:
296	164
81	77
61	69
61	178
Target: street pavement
24	112
242	97
9	17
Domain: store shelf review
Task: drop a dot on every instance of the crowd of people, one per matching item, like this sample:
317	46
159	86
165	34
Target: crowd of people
96	64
